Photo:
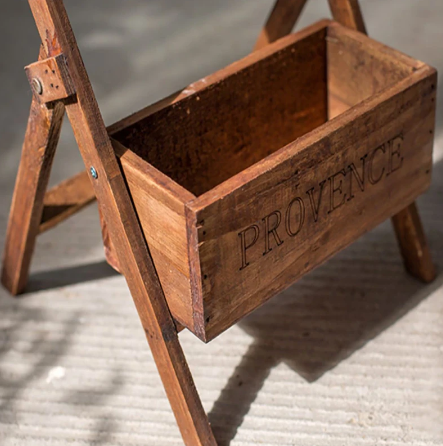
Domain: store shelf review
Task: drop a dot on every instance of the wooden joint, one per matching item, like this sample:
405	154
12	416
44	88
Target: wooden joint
50	79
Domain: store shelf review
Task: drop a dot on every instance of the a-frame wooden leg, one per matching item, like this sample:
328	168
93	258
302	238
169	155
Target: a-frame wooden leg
413	245
124	229
282	19
42	136
348	13
407	223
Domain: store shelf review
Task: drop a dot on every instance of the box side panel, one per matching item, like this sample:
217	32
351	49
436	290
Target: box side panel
359	67
160	207
239	115
305	203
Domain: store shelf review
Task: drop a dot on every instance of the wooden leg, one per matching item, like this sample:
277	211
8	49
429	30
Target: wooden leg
281	21
348	13
413	244
124	228
110	253
38	151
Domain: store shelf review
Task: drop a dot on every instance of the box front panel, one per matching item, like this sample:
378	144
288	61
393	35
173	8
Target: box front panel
295	209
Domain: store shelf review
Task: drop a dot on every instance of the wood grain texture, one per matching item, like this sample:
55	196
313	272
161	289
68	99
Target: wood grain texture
413	244
42	135
353	60
160	205
109	248
160	202
281	21
73	194
66	199
359	68
237	116
53	76
348	13
126	234
303	204
239	208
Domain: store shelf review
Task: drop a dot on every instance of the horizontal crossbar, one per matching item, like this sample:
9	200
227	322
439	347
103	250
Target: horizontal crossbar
66	199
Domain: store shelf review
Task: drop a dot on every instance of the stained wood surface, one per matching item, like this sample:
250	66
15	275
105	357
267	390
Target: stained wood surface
348	13
359	68
53	77
391	132
66	199
42	135
413	244
233	262
116	205
237	116
160	205
281	21
160	202
351	56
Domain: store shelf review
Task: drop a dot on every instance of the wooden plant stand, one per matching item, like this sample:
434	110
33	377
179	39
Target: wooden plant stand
208	219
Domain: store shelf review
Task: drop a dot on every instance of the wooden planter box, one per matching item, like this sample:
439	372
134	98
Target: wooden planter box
260	172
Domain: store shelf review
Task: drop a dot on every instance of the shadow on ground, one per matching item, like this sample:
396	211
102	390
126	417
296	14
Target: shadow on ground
311	327
71	275
329	314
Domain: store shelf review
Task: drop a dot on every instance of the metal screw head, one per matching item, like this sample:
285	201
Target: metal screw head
37	86
93	172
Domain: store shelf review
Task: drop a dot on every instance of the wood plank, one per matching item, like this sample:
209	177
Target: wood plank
413	244
49	78
336	106
160	205
66	199
359	68
301	205
42	135
348	13
239	115
126	234
281	21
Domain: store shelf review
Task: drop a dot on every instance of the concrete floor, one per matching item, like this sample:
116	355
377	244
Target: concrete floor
351	355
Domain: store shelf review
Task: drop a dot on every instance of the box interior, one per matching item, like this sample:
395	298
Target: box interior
243	115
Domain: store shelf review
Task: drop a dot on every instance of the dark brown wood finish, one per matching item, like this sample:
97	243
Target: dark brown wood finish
38	151
359	68
413	244
206	269
280	22
287	107
348	13
118	211
50	79
303	204
407	224
225	210
263	102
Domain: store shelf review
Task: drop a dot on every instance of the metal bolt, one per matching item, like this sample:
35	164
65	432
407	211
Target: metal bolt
37	86
93	172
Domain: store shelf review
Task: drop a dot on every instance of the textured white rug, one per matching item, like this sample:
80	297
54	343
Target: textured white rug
351	355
